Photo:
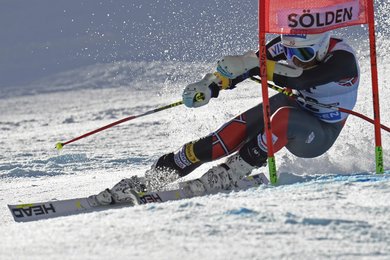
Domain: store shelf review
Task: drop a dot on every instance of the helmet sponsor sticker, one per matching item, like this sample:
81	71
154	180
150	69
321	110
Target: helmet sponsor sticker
302	36
276	49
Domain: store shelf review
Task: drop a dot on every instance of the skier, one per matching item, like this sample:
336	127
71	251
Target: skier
317	67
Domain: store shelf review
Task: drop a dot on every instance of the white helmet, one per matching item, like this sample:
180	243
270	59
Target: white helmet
296	45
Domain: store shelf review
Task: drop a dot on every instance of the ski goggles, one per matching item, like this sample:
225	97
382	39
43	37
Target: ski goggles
304	54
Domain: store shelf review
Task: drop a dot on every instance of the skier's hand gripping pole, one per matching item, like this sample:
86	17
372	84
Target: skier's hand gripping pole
199	93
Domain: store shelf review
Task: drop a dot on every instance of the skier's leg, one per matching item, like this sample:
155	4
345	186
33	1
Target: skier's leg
299	131
226	175
303	134
229	138
226	140
310	137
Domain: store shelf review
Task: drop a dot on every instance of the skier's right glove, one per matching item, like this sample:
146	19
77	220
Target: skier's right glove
236	65
199	93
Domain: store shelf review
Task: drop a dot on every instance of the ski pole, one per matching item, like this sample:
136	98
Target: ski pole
60	145
313	103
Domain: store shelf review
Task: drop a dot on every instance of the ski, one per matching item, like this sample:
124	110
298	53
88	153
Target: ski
58	208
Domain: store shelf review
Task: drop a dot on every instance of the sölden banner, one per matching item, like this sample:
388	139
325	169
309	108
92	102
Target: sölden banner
313	16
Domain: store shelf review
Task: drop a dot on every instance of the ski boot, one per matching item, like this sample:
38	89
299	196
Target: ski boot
125	191
221	177
163	172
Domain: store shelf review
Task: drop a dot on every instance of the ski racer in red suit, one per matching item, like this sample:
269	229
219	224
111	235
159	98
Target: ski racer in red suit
317	67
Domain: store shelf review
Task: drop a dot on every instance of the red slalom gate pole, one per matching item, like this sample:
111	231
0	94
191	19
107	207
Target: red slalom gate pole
60	145
375	89
264	87
363	117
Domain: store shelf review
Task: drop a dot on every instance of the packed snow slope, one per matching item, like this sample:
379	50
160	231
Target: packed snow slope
68	68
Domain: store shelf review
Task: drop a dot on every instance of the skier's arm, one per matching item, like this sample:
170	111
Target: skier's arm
240	67
231	70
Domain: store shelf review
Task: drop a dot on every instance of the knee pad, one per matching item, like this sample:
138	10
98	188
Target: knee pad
252	154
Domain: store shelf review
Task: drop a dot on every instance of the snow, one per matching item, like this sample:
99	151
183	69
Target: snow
337	209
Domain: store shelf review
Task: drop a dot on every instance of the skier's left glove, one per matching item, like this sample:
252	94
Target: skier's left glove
199	93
